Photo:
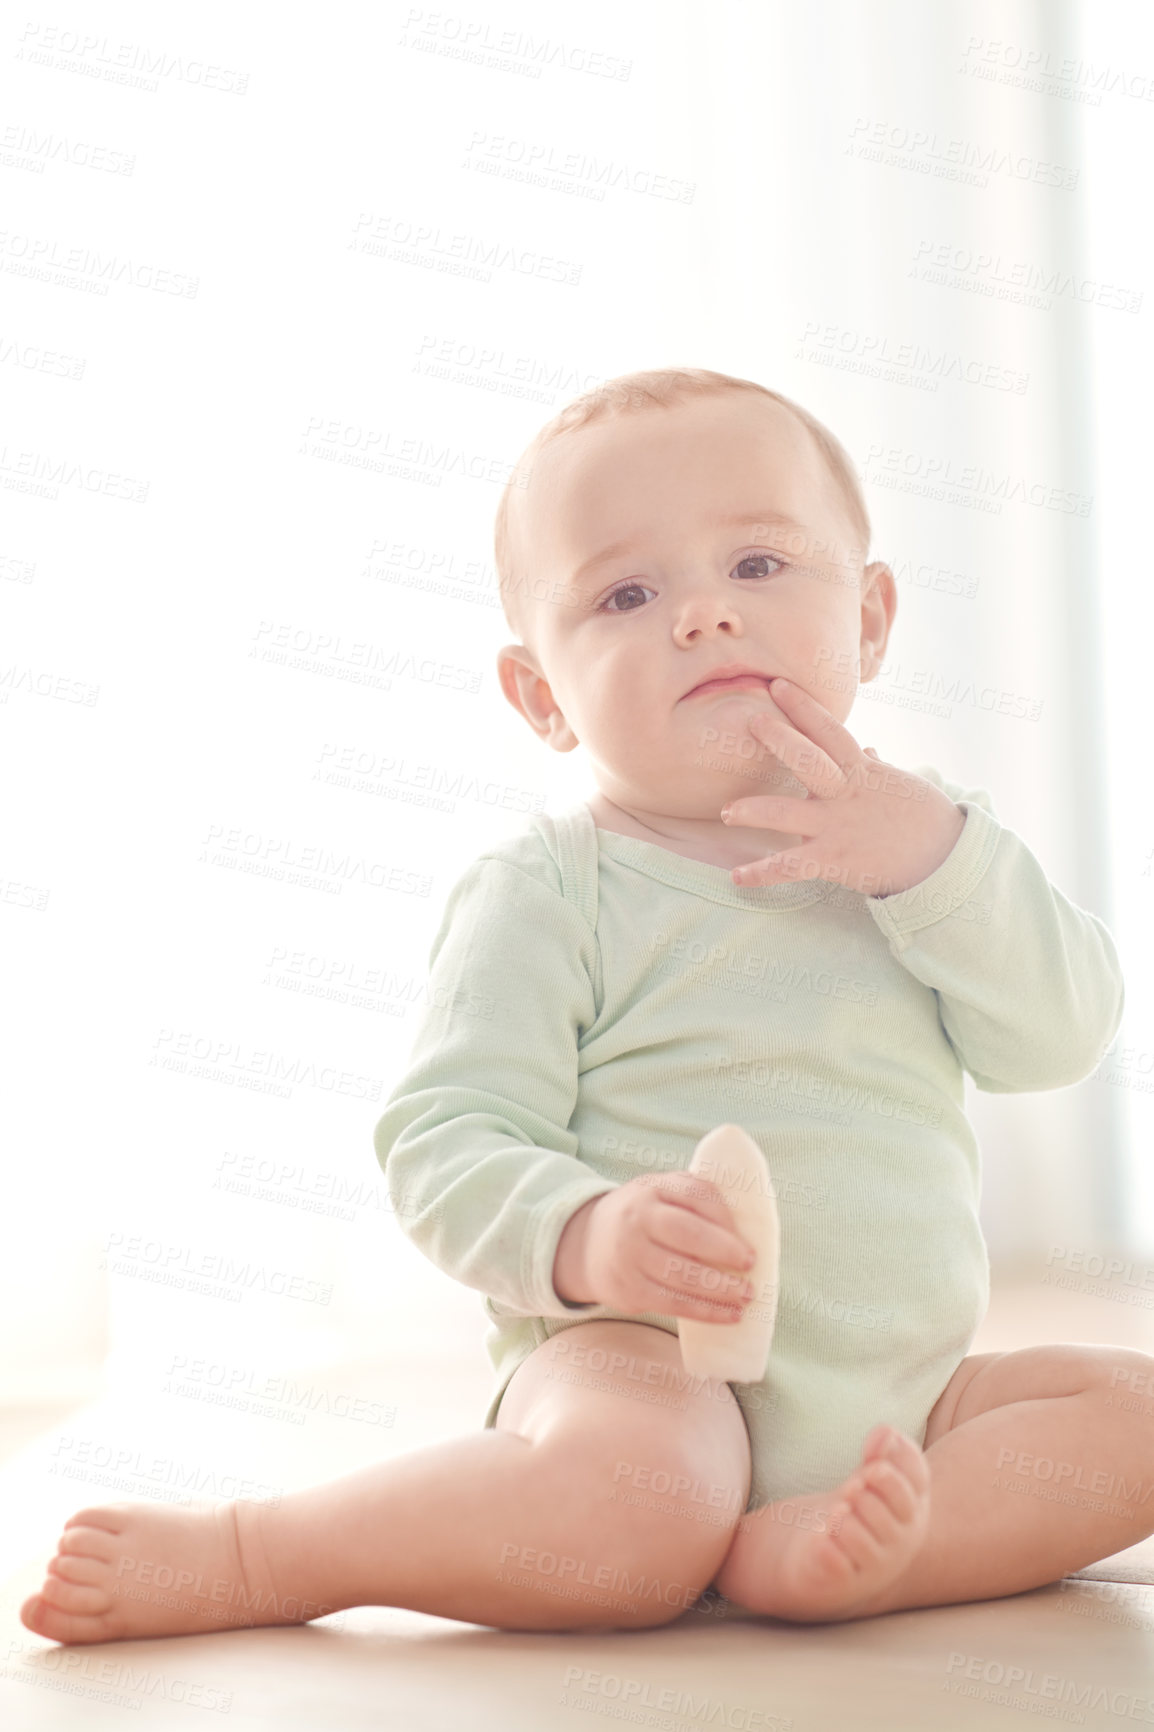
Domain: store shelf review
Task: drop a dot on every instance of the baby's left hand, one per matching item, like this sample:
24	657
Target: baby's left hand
867	825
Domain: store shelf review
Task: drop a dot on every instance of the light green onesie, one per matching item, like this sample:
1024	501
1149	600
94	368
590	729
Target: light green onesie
597	1003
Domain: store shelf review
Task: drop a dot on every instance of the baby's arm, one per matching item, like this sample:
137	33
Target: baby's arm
481	1170
1029	985
483	1176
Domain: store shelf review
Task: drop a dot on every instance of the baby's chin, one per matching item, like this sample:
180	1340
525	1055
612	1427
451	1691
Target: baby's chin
699	795
723	765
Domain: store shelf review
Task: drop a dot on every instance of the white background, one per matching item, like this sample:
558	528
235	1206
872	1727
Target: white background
286	295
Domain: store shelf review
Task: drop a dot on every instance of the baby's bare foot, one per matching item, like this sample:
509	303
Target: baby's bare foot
830	1556
140	1569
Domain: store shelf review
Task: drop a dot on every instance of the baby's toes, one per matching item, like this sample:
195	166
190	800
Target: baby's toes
889	1490
905	1455
43	1618
88	1542
101	1518
82	1599
854	1539
876	1516
82	1572
878	1441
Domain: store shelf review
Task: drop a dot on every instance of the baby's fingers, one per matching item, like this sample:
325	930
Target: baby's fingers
703	1231
698	1290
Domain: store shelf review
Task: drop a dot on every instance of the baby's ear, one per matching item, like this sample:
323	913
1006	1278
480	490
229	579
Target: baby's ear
527	689
511	672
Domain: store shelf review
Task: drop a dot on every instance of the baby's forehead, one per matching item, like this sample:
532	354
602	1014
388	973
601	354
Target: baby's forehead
777	449
789	491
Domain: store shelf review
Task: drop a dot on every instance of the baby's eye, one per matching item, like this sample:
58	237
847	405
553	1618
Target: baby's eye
760	559
625	589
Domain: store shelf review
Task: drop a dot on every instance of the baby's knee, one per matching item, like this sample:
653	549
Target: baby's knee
657	1506
677	1487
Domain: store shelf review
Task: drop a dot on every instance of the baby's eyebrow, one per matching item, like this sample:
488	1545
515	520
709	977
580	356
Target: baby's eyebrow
771	519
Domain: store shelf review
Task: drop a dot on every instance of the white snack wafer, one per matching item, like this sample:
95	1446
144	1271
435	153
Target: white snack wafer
738	1352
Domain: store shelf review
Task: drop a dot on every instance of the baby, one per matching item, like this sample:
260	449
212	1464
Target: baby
753	920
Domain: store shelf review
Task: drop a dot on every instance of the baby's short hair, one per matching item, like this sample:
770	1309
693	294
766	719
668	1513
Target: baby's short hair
660	388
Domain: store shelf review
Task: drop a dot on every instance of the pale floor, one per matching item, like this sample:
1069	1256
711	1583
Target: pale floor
381	1667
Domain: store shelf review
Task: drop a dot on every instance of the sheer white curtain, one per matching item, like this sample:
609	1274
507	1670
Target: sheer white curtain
900	230
1115	46
272	350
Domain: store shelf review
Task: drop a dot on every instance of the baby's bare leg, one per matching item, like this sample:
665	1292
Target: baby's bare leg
535	1525
1044	1465
1036	1463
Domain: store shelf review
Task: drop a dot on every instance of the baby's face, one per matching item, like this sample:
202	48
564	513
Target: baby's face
669	543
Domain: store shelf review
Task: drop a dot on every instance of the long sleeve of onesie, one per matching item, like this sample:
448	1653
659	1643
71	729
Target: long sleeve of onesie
1029	986
480	1166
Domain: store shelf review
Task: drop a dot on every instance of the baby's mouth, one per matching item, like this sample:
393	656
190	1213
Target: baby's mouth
752	682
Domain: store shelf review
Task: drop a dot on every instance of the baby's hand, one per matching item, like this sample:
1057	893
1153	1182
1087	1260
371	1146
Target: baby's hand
664	1242
865	824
